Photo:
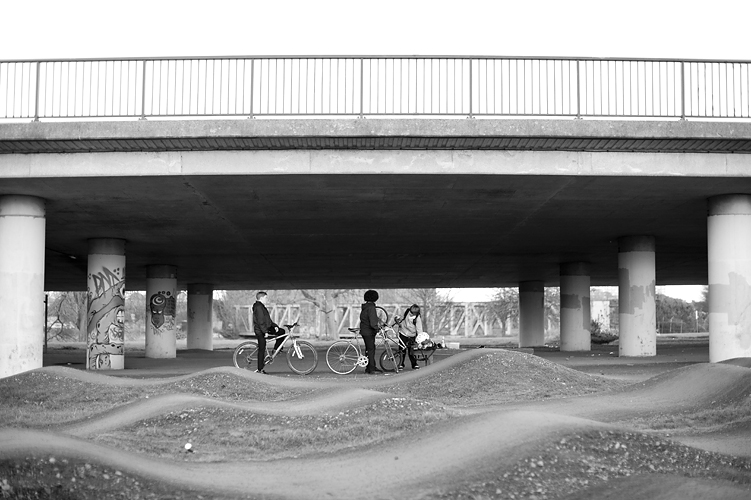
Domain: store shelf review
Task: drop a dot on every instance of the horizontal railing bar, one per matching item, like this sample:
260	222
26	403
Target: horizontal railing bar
387	57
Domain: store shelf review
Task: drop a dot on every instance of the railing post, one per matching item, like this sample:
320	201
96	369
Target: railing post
252	86
362	86
578	91
36	94
143	91
470	89
683	90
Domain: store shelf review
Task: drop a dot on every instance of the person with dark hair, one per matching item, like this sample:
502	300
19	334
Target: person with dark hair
369	326
263	325
409	326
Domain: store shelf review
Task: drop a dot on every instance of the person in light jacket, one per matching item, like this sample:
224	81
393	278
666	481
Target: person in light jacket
409	327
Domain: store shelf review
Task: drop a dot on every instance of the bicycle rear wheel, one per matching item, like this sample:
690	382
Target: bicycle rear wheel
342	356
383	316
302	357
389	364
246	355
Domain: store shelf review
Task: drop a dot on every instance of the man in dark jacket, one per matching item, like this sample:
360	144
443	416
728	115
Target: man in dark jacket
369	325
263	325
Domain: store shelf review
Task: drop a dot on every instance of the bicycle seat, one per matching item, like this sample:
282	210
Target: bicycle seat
354	330
288	327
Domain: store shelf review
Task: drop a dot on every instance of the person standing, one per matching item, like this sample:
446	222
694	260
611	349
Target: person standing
409	326
369	325
263	325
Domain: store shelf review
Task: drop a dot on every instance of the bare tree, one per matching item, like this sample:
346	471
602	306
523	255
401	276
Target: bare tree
69	312
326	301
505	305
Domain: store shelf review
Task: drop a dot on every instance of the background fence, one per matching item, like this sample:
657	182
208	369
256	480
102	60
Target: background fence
465	319
373	86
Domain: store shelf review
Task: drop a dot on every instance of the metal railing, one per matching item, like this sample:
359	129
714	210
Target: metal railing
374	86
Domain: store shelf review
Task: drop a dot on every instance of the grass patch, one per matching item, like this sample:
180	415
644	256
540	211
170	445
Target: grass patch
218	434
39	399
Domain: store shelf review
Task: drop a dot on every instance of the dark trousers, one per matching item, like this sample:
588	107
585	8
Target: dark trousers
409	341
262	347
370	351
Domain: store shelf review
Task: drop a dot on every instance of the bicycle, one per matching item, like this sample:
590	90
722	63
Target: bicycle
394	361
302	357
392	358
343	356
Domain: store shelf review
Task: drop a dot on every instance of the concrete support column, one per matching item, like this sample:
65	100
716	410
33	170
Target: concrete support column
200	308
105	286
636	296
531	313
729	254
22	321
161	306
575	311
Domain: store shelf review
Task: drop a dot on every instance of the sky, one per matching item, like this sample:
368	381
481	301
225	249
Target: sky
655	29
53	29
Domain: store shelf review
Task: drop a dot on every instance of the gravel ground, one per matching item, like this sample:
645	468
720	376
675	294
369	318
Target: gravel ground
559	468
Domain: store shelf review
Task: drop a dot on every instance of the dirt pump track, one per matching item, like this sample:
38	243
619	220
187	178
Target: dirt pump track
484	439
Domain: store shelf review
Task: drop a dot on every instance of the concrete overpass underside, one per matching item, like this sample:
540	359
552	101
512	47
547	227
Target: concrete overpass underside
280	204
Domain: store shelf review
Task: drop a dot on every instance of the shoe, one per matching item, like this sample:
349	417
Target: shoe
401	367
376	370
261	371
415	367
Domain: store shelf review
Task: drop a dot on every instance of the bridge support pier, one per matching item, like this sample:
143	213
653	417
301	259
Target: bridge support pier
636	296
575	309
531	313
105	284
729	254
22	323
200	307
161	308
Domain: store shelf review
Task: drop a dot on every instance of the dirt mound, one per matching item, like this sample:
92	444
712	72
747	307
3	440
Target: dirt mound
600	463
744	362
700	384
61	389
664	486
690	400
487	455
494	376
485	423
163	405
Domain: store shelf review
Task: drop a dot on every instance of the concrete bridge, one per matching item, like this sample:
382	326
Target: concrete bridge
314	202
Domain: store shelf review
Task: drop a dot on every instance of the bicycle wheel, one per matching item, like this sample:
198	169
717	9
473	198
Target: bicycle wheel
246	355
383	316
342	357
302	357
389	364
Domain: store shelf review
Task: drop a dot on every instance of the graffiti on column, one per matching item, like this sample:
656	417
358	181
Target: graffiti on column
106	338
162	306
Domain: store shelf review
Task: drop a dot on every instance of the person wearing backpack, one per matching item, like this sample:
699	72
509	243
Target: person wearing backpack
409	326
